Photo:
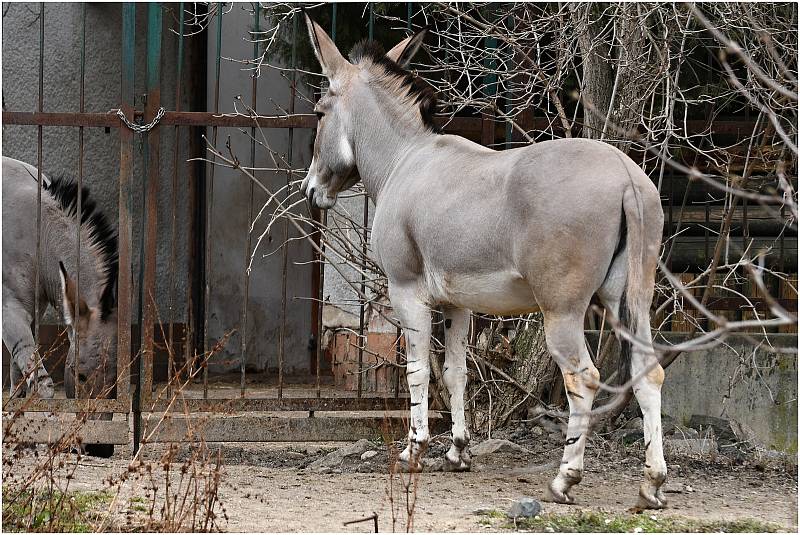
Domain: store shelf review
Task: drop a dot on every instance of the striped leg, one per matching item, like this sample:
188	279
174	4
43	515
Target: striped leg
566	343
456	323
415	318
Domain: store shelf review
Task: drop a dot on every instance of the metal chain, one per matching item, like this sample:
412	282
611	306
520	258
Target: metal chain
141	128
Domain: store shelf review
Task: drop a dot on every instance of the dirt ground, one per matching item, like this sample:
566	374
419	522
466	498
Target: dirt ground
270	487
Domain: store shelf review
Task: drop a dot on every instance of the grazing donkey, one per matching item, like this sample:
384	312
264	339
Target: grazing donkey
96	324
464	227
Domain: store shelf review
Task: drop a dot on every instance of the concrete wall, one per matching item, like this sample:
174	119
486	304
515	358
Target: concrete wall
754	385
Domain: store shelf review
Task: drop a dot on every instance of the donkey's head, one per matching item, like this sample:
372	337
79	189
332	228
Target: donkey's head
333	166
96	328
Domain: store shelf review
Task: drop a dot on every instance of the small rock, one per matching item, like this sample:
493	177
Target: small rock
295	455
368	455
723	430
537	431
634	423
483	510
495	445
524	508
335	458
688	488
681	431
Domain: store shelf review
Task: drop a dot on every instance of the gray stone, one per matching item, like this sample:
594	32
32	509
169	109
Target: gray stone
335	458
681	431
524	508
723	430
634	423
690	446
368	455
495	445
668	424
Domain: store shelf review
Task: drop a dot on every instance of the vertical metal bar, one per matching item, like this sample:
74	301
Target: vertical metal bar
248	244
174	229
323	218
210	210
152	155
362	339
79	201
124	206
289	159
40	107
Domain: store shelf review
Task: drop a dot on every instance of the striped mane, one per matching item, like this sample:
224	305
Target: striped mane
102	237
411	86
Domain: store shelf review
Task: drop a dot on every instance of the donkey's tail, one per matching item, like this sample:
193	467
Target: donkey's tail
637	294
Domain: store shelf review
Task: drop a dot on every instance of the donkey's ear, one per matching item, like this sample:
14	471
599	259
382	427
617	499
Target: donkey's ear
328	55
69	294
407	48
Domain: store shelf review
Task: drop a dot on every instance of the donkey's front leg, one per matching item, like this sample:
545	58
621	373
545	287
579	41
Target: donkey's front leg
415	318
456	323
25	357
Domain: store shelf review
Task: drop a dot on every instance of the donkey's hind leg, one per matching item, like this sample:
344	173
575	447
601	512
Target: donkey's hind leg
456	323
19	340
564	334
415	318
648	393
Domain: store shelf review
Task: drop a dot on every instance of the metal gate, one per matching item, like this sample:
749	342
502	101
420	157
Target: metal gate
143	402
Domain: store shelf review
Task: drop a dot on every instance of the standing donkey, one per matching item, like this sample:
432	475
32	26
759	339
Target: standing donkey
467	228
96	323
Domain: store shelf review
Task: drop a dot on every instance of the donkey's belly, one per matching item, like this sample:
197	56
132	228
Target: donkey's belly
501	293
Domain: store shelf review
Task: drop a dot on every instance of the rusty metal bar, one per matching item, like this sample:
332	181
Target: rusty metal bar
40	106
320	266
248	240
362	306
285	245
210	211
79	205
147	255
124	207
174	226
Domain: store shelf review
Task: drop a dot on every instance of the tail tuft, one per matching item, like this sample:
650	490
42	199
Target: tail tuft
624	365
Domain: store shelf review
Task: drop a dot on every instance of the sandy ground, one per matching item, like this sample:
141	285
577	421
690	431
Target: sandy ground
267	487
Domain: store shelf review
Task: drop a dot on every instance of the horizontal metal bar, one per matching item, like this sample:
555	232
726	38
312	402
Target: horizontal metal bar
463	125
49	431
66	405
275	404
100	120
172	118
282	428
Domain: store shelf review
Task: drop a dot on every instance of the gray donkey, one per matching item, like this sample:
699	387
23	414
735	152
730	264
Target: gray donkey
464	227
96	323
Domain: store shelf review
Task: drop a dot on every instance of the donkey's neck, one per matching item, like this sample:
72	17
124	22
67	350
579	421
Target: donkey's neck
383	137
59	244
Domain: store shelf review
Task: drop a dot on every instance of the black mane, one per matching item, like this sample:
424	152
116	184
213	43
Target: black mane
64	189
420	91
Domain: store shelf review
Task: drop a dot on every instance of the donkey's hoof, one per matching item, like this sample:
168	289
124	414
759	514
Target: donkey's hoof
557	496
462	464
650	500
